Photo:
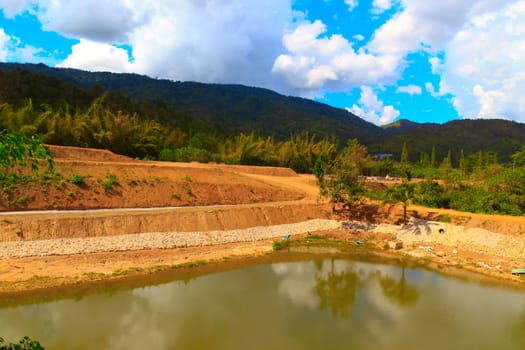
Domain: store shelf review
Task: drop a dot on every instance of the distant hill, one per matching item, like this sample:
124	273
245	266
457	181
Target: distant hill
235	108
501	136
228	107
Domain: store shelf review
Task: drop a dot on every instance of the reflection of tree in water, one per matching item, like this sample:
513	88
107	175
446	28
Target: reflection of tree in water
399	291
337	290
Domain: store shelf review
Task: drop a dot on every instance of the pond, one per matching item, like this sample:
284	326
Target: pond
325	304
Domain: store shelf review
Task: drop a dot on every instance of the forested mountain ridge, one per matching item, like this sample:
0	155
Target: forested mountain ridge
234	108
230	109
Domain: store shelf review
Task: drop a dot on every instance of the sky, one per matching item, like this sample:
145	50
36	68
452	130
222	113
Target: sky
383	60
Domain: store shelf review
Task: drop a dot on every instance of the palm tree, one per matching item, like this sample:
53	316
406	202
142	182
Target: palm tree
403	194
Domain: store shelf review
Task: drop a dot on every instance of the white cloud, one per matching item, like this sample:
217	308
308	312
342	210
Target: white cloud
483	65
372	109
429	87
12	49
410	89
352	4
436	64
380	6
331	60
97	20
4	45
94	56
11	8
359	37
421	24
208	41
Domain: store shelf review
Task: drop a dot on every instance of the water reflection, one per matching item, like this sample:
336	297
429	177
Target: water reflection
337	290
327	304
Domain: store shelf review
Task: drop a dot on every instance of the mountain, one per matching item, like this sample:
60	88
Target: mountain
495	135
236	108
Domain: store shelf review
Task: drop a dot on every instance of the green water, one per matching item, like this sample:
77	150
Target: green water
330	304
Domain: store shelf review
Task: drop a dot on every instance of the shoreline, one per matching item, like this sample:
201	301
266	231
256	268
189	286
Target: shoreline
34	274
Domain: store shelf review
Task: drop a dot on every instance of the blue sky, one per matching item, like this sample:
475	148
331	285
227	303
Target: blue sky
384	60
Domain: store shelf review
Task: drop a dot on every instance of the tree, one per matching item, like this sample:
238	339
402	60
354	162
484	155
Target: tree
403	194
344	187
404	153
518	158
16	149
25	344
462	163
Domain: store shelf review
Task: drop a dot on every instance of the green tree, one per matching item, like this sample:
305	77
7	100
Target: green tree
518	158
433	157
344	187
24	344
18	150
462	163
404	153
403	194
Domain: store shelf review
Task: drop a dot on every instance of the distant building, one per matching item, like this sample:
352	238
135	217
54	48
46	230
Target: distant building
383	156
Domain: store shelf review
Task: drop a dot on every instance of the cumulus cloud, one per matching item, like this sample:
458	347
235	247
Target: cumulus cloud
372	109
213	41
484	67
94	56
410	89
420	25
316	61
207	40
98	20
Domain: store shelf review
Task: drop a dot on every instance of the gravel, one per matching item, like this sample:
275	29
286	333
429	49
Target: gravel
421	232
158	240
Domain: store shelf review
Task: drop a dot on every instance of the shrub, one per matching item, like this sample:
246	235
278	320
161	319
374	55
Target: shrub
444	218
278	245
78	180
110	182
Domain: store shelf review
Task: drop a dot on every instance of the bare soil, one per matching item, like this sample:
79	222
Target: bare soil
255	196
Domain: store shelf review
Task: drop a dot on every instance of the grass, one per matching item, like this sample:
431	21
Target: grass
279	245
131	182
22	200
175	196
188	190
111	181
78	180
188	178
444	218
191	264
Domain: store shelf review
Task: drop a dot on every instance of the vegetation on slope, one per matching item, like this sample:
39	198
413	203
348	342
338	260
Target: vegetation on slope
483	186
